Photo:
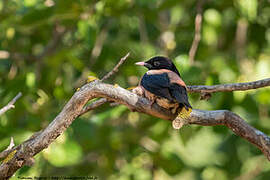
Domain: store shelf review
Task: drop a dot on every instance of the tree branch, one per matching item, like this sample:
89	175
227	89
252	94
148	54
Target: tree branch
94	105
230	87
236	124
8	149
10	104
115	69
75	107
197	35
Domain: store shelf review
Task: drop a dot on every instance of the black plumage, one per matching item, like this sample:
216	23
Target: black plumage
157	84
163	81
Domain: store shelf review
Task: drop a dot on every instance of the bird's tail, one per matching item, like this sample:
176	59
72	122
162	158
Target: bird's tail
184	112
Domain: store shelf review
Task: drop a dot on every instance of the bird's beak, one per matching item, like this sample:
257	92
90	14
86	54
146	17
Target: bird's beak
147	65
140	63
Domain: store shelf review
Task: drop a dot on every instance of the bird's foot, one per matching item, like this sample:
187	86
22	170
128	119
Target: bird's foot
152	102
137	90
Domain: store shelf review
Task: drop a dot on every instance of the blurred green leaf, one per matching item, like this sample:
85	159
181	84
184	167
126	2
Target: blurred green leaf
63	153
30	79
49	47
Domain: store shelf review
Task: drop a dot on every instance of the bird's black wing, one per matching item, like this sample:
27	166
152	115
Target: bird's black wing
158	84
179	93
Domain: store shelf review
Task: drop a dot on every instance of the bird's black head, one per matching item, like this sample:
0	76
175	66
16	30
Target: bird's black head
159	62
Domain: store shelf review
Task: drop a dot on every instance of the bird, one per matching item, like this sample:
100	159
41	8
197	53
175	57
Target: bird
162	83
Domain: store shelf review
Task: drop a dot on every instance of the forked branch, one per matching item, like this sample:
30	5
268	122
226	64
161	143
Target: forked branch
10	104
28	149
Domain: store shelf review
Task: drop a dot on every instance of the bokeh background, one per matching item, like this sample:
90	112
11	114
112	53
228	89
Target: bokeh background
48	48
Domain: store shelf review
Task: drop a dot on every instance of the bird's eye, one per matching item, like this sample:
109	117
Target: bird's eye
156	63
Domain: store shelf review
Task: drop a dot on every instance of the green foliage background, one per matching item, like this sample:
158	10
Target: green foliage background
48	48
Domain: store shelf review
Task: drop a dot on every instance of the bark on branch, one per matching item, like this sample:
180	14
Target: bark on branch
75	107
10	104
230	87
197	34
